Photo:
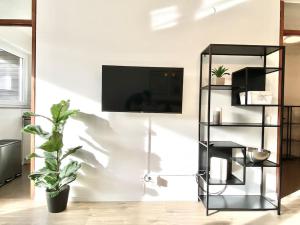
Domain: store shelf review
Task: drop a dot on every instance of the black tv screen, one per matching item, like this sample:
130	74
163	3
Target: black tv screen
142	89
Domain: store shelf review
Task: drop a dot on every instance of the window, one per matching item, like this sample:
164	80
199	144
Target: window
13	78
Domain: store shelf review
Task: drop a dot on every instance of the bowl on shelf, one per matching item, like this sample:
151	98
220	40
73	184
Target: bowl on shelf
256	155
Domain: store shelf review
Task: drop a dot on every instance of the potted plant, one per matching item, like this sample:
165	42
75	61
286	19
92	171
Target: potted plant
56	174
219	72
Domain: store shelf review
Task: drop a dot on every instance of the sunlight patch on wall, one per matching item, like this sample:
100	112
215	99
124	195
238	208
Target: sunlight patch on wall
164	18
85	104
219	7
292	1
291	39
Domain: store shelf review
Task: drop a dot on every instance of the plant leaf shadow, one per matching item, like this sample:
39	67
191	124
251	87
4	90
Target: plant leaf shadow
112	167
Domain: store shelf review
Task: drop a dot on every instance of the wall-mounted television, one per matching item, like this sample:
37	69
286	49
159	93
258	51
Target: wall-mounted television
142	89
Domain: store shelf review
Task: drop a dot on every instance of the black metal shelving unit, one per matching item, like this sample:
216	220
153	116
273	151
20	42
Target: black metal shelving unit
247	79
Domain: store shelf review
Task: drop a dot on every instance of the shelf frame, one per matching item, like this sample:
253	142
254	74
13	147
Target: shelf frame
254	50
224	150
204	162
266	163
231	180
227	124
218	87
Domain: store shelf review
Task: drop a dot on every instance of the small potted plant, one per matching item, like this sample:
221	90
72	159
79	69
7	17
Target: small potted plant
56	174
219	73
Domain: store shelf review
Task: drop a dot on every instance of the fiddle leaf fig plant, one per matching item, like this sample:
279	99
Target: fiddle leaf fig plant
55	174
220	71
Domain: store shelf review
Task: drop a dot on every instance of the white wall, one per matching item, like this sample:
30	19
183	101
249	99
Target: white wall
11	123
73	43
292	80
292	16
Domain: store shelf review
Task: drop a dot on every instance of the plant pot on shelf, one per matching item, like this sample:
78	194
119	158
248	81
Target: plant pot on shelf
58	203
227	80
220	80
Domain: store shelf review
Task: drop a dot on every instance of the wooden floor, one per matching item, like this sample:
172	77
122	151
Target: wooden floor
17	209
18	188
25	212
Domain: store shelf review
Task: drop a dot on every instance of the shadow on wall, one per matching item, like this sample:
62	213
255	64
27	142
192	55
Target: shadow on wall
113	163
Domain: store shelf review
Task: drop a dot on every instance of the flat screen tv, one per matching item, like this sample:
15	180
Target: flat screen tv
142	89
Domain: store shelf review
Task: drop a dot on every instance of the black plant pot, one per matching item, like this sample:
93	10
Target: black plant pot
59	202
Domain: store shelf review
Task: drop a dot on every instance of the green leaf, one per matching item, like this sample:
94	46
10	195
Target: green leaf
69	169
51	164
54	143
33	155
67	180
50	155
35	129
35	175
28	114
39	178
40	183
220	71
51	180
42	172
59	109
65	115
70	151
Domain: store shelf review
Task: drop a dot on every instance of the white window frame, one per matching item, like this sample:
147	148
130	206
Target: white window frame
23	100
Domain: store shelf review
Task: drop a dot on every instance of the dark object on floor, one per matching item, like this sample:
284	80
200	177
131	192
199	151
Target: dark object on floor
10	160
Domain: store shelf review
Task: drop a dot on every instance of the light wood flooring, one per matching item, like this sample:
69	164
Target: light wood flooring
18	209
18	188
27	212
